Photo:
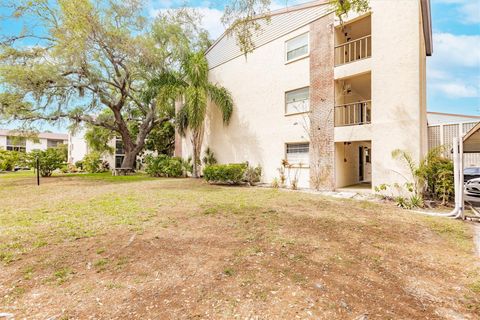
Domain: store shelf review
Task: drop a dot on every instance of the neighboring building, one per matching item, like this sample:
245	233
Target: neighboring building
15	141
443	127
362	86
77	147
437	118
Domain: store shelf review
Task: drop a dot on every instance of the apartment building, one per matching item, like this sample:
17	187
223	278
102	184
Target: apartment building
334	99
14	141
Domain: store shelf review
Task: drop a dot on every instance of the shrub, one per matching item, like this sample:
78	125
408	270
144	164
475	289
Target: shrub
438	174
79	165
10	159
275	183
252	175
432	177
49	160
187	166
209	158
225	173
92	162
165	166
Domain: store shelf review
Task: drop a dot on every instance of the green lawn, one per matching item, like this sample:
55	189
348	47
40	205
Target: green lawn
93	245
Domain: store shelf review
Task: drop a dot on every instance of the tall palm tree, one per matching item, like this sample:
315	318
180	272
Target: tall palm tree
197	92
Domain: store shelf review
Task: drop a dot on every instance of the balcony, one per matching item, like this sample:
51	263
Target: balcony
353	41
352	114
353	50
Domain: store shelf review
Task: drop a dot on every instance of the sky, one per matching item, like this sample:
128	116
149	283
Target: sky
453	71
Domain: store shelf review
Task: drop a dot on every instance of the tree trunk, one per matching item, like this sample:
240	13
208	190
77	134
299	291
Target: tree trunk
129	159
197	138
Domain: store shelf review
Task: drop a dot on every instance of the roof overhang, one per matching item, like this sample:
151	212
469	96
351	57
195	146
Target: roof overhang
471	141
427	26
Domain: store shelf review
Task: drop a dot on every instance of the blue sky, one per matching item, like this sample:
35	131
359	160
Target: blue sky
453	71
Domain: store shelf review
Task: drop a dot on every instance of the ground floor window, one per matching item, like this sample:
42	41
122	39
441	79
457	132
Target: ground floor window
118	161
298	153
119	153
16	144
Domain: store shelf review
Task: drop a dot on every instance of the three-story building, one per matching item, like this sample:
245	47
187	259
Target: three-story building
332	98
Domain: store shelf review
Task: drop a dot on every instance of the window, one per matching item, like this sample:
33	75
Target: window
297	47
297	153
119	146
54	143
119	152
118	161
16	144
297	101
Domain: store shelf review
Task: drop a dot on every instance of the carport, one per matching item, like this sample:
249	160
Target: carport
469	143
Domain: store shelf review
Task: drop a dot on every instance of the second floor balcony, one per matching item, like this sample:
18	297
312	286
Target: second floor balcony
353	50
351	114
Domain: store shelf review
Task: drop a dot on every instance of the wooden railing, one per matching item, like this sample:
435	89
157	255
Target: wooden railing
353	114
353	50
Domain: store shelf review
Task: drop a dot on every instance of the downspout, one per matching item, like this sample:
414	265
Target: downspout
457	212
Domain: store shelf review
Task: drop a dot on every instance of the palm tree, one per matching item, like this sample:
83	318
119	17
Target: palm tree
197	91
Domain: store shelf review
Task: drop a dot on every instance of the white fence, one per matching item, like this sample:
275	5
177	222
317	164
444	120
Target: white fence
443	134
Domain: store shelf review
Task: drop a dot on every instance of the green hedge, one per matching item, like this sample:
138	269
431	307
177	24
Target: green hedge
225	173
164	166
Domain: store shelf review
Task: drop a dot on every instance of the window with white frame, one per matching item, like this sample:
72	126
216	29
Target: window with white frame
54	143
298	153
297	47
16	144
297	101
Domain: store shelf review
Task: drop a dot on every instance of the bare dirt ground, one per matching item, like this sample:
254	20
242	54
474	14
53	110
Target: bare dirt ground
136	248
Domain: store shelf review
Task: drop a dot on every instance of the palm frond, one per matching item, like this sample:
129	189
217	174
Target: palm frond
164	87
195	68
181	121
222	98
196	105
407	157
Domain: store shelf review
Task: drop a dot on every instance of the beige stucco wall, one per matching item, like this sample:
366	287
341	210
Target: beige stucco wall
259	129
396	90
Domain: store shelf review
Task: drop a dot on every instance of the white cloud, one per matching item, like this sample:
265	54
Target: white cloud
457	89
458	50
454	68
469	10
211	21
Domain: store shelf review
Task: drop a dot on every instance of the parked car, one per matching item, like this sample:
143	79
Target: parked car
471	173
472	191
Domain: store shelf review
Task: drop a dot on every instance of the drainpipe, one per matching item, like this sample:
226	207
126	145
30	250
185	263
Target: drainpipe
456	179
457	212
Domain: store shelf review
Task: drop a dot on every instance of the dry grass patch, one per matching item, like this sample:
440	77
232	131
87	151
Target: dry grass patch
134	247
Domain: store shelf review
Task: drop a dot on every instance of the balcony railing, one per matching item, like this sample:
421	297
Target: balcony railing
353	114
354	50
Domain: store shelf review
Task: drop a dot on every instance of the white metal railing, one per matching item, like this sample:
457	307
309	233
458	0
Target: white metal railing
353	114
353	50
